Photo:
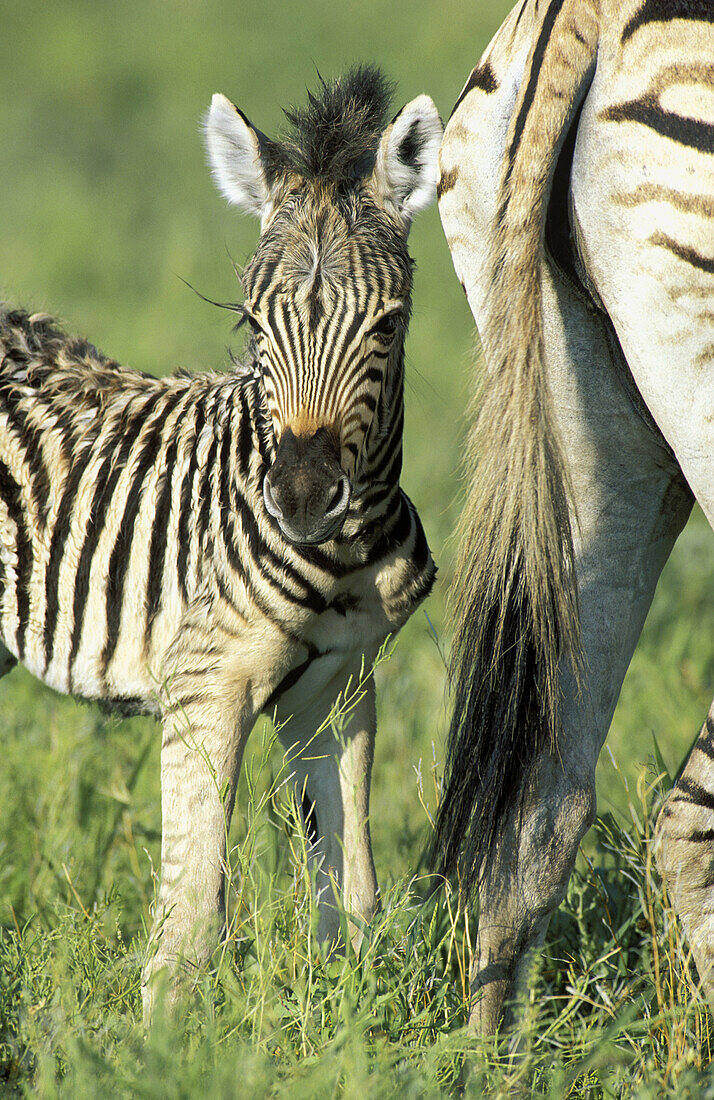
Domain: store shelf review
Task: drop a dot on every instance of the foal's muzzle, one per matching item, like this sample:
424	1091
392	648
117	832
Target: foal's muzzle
306	489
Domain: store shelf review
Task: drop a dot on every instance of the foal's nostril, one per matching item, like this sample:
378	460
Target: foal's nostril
271	504
338	500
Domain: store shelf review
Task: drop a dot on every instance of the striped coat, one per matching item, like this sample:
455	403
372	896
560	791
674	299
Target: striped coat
130	501
577	196
211	547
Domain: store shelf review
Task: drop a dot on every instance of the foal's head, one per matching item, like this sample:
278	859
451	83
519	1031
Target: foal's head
327	292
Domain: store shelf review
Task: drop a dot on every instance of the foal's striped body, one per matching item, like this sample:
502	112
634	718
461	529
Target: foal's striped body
211	547
128	501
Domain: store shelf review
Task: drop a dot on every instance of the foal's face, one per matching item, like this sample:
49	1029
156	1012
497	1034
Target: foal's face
327	292
327	295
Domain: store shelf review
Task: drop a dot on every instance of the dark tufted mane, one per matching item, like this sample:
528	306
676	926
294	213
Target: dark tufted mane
335	137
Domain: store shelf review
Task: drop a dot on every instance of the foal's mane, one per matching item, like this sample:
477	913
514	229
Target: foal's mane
336	135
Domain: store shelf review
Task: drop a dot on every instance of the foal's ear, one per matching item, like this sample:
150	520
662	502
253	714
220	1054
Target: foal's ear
405	172
236	155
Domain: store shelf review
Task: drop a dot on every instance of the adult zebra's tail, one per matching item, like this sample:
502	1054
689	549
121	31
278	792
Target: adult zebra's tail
514	598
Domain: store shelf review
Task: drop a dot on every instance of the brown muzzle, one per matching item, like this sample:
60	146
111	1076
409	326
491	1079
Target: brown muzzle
306	490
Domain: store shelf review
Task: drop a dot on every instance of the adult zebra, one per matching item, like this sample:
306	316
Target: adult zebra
577	196
210	547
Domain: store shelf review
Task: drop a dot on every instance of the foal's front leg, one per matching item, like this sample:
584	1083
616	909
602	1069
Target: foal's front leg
207	719
332	772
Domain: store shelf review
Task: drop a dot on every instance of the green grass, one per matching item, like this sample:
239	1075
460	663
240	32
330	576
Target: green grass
105	206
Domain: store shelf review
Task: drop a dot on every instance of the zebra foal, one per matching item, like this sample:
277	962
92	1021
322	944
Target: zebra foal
577	196
210	547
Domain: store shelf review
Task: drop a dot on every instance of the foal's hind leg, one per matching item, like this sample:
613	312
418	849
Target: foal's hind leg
630	503
331	770
685	851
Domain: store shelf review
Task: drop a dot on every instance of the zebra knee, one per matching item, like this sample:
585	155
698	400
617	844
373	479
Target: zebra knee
550	838
529	876
520	894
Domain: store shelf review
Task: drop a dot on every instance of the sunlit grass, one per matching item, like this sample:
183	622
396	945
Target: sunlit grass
613	1010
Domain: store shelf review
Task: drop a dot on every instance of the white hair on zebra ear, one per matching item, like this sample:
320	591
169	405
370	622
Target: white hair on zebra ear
234	152
406	172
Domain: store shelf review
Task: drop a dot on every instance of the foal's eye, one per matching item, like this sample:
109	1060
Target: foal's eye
248	319
386	326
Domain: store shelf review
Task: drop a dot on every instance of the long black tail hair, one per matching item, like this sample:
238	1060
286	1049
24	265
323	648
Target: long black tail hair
514	599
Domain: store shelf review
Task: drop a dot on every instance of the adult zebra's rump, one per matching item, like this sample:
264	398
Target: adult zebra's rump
577	196
208	547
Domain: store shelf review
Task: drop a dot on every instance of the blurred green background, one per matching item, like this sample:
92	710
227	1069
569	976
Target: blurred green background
106	205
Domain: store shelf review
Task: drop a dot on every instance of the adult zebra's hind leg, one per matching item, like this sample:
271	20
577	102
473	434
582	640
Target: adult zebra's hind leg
685	851
630	502
526	881
625	536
